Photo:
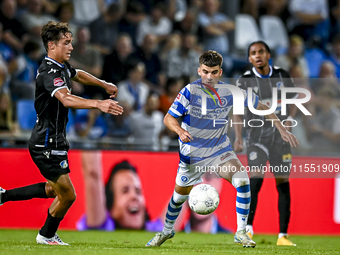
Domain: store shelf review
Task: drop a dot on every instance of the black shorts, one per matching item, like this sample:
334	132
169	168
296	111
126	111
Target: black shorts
51	162
278	154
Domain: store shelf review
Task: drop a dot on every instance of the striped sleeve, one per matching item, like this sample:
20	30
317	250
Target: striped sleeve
181	104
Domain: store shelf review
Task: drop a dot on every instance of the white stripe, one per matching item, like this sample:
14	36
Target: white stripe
54	91
243	206
54	61
262	147
37	145
173	213
243	195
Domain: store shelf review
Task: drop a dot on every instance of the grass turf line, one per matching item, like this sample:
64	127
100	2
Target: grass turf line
132	243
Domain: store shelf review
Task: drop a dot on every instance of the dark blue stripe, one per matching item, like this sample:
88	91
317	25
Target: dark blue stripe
200	123
243	189
180	108
46	136
186	93
177	204
174	210
208	143
193	160
243	200
242	211
172	217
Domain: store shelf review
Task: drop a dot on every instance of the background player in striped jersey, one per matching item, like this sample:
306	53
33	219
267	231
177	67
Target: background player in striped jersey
265	143
202	144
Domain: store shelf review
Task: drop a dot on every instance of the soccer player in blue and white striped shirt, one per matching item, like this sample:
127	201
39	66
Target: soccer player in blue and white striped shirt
205	105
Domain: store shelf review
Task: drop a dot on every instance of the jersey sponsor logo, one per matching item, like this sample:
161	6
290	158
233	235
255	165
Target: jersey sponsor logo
58	82
287	157
225	156
52	70
63	164
179	96
253	155
184	178
49	63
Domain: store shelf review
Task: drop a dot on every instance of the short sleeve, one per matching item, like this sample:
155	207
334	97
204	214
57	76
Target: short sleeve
240	82
53	81
181	104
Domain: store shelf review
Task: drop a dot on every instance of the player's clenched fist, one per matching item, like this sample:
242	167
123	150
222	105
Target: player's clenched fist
110	106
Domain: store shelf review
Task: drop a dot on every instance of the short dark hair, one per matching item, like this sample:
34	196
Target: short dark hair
260	42
124	165
53	31
211	58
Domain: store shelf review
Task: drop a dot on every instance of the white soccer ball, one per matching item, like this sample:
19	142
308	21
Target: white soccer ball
203	199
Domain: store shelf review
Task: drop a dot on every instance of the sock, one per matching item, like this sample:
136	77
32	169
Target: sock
51	225
174	209
249	228
255	186
282	235
25	193
240	181
284	205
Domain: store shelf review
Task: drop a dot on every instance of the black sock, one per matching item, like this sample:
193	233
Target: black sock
284	205
51	225
255	186
25	193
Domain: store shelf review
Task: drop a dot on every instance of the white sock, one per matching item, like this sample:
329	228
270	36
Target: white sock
249	228
282	235
174	209
241	182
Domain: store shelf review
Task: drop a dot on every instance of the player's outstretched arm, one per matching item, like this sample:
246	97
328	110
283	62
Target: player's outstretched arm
173	125
88	79
285	134
72	101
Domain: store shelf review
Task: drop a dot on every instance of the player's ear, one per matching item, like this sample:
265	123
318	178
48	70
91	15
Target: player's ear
51	45
199	71
221	71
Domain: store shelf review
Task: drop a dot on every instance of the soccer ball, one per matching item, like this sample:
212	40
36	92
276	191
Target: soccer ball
203	199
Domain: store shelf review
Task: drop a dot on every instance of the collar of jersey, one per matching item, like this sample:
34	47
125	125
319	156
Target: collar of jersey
54	61
199	82
263	76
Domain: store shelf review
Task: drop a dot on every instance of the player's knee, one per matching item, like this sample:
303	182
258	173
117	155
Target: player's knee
68	198
50	191
240	179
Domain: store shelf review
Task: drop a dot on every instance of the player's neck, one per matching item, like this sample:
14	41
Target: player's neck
52	56
264	70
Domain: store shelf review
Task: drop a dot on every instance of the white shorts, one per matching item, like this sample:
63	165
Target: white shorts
191	174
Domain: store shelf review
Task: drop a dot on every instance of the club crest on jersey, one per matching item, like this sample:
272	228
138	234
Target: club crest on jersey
63	164
253	155
184	178
47	154
279	85
58	82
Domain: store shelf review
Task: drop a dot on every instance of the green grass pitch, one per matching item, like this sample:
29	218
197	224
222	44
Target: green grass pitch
132	242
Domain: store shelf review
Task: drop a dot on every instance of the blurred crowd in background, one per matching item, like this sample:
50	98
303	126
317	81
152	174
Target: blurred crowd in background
150	50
